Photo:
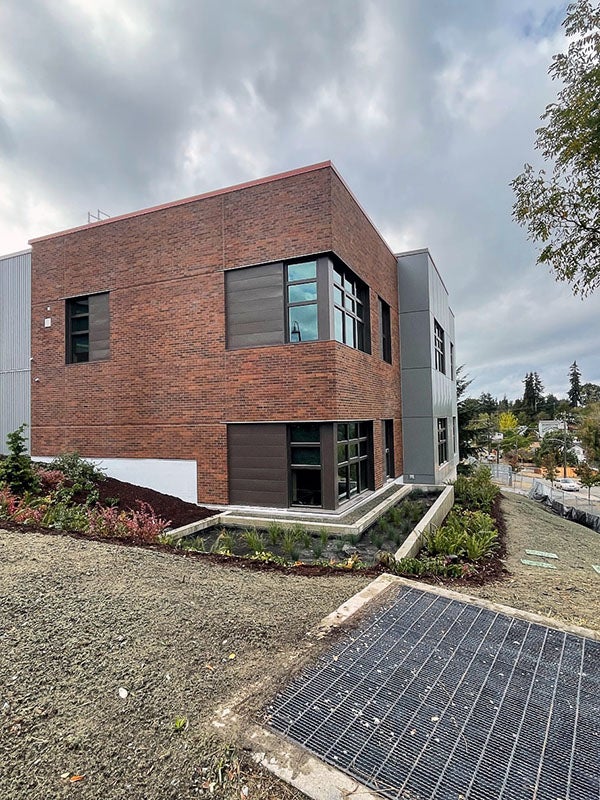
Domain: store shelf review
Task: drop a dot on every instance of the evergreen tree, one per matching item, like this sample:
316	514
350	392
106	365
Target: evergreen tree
574	393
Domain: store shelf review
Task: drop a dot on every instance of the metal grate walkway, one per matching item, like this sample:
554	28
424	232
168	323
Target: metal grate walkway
437	699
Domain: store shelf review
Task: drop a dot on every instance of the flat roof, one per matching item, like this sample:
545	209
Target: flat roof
216	193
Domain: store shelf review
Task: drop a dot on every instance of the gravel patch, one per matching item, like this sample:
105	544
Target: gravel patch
103	647
571	592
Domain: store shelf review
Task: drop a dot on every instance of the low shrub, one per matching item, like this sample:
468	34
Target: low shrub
82	475
141	526
476	493
465	534
50	479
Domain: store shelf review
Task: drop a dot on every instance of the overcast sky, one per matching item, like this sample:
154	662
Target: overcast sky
427	107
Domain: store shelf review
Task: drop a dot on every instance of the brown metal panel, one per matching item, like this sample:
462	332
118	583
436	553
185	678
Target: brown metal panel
99	323
329	465
254	306
257	458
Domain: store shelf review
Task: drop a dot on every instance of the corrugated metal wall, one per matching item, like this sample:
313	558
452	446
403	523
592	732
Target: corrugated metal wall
15	343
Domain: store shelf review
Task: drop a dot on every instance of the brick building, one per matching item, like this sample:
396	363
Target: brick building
243	347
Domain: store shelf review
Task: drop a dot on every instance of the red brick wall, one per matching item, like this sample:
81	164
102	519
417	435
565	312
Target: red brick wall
170	385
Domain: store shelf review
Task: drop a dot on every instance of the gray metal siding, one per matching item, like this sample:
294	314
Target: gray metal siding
258	465
254	306
15	343
427	393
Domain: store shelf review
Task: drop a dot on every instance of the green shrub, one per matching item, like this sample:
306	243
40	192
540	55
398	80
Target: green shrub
465	534
317	549
17	470
66	517
82	475
476	493
324	537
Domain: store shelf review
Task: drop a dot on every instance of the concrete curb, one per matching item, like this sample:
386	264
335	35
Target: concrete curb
435	516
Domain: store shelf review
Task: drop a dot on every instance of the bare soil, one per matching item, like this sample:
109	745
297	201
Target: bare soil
571	592
105	651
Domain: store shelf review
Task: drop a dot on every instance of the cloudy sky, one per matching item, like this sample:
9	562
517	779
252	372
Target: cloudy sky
427	107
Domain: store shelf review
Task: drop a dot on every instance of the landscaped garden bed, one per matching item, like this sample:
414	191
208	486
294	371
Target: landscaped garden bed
72	495
294	543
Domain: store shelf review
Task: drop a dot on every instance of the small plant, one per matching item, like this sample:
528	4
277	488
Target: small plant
17	470
180	724
306	539
274	533
324	537
111	502
254	540
224	543
50	479
141	526
317	549
289	542
385	527
395	516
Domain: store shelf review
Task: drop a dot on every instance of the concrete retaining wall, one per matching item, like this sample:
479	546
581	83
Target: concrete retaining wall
435	516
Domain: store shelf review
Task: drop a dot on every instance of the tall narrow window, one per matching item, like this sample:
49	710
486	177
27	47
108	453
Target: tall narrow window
301	287
454	449
452	373
87	328
352	458
388	447
442	433
305	464
439	347
349	309
385	329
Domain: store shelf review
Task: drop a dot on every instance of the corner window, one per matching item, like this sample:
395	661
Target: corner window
385	331
439	347
352	458
305	464
442	434
349	308
301	296
87	328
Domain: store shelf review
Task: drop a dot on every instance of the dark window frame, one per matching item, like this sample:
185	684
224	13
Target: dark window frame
354	296
296	467
289	333
454	436
452	372
439	346
442	440
74	336
385	331
361	446
388	448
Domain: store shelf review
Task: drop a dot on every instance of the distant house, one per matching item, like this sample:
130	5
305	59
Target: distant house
258	345
547	425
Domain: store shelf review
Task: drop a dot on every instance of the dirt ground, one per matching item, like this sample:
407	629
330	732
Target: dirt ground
571	592
106	651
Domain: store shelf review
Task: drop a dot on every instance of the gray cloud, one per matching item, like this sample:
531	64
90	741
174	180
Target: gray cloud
428	110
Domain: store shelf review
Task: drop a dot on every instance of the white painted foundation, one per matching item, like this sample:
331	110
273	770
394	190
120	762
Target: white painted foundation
169	476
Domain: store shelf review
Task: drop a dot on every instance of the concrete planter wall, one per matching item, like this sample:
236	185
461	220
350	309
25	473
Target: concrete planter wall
435	516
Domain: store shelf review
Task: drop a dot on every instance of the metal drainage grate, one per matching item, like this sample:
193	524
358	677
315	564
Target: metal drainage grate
436	699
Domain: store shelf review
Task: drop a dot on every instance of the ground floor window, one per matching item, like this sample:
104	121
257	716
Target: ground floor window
305	464
442	434
352	458
388	447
